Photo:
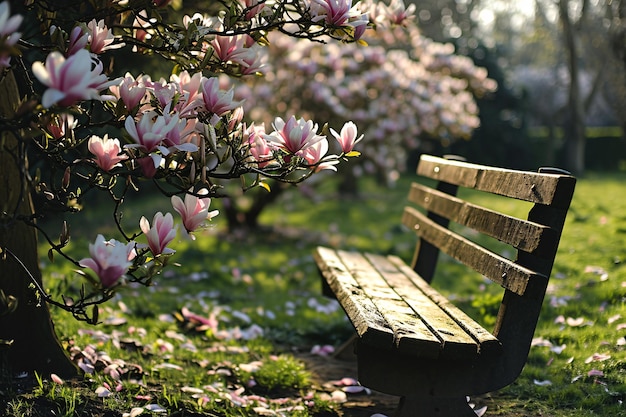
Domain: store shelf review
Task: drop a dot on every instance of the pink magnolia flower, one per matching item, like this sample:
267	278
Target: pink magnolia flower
132	91
160	234
78	40
100	38
315	155
293	136
360	25
61	125
181	136
194	210
347	137
150	130
252	8
253	62
215	100
259	149
108	152
189	89
148	166
8	33
396	13
140	25
110	259
164	92
70	80
334	12
229	48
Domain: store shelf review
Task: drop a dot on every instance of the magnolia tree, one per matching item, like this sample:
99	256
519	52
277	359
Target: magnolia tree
75	125
402	91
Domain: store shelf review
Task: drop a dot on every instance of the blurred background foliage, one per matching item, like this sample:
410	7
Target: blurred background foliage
561	88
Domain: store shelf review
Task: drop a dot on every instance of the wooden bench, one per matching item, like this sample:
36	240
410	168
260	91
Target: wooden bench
413	342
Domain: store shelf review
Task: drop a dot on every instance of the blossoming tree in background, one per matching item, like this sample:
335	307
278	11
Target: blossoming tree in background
404	91
77	126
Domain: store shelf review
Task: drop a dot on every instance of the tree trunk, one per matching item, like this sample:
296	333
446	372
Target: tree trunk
575	124
248	219
28	332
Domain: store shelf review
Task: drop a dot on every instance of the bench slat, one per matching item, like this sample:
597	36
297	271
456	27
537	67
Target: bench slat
410	333
552	190
489	344
508	274
368	322
457	343
521	234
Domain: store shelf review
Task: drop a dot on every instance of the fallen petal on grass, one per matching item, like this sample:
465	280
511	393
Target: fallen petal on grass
614	318
575	322
192	390
597	357
338	396
481	411
55	378
168	366
542	383
324	350
134	412
103	392
356	389
155	408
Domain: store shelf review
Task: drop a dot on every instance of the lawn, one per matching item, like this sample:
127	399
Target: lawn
224	332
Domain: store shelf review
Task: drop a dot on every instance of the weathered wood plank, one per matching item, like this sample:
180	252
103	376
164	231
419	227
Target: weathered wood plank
508	274
411	334
488	343
369	324
457	343
521	234
527	186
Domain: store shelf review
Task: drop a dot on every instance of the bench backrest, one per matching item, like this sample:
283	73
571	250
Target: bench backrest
535	239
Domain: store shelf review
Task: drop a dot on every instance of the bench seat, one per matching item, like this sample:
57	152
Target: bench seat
394	308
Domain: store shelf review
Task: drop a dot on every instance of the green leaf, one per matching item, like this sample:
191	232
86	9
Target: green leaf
353	153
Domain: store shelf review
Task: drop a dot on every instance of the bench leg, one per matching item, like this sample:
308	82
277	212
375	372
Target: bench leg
434	407
347	349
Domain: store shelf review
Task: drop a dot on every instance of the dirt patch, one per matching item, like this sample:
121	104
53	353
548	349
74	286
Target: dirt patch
328	369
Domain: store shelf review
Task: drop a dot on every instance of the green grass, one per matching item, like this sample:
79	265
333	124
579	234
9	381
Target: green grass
267	285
